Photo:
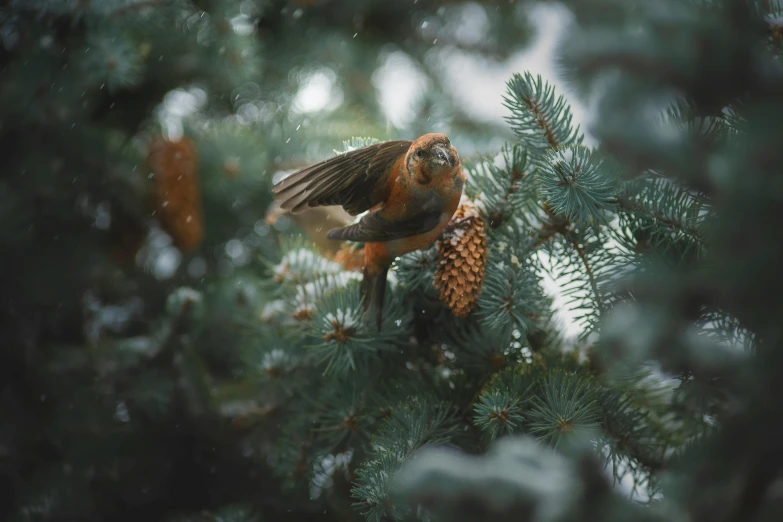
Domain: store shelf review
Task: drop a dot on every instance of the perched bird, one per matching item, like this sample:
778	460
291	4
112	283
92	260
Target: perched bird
410	188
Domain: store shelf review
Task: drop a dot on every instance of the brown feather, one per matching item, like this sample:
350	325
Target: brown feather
328	184
351	179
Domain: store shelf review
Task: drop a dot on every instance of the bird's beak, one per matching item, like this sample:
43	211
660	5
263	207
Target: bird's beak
442	155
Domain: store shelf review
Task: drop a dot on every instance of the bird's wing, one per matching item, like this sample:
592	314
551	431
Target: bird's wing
373	227
350	179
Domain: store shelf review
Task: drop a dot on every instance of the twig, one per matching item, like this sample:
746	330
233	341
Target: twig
553	229
591	277
542	123
633	206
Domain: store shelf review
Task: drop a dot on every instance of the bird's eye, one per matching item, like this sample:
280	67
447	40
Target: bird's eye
448	142
419	153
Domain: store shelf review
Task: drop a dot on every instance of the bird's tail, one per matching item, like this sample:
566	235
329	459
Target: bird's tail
373	290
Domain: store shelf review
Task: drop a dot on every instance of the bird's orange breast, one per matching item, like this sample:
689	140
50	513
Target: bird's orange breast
448	189
401	201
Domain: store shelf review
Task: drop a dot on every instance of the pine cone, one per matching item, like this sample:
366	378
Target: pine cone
177	194
463	256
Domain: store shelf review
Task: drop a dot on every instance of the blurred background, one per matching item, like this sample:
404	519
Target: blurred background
140	140
256	88
175	348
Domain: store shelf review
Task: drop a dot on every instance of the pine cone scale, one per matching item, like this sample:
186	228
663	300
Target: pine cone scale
463	256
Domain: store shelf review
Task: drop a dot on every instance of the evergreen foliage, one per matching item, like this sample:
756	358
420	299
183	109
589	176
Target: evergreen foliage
238	380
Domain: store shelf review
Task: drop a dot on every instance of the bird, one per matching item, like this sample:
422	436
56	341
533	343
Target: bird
407	191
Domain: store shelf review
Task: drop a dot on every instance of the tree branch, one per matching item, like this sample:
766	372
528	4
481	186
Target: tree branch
632	206
542	123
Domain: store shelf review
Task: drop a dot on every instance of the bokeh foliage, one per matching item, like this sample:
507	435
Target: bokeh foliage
122	357
237	381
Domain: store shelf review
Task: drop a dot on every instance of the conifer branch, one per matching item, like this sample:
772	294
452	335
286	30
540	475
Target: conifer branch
549	230
410	427
573	240
628	441
541	120
630	205
588	270
577	182
498	189
565	405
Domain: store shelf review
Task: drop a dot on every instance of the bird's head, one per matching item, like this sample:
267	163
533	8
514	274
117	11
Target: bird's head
431	157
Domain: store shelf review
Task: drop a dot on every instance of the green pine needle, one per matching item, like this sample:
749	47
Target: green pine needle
511	297
538	117
112	59
416	271
483	350
498	414
709	130
631	441
501	407
345	339
577	183
300	263
344	415
566	407
502	187
410	427
661	216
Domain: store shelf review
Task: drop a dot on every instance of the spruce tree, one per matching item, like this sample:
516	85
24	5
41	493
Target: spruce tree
175	349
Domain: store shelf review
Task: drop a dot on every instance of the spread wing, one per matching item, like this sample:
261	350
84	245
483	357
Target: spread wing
374	227
351	179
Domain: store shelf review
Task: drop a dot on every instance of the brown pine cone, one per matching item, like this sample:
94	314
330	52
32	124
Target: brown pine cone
463	257
177	194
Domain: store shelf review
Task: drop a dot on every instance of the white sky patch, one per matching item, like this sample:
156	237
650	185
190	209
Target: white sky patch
178	105
318	92
478	84
570	327
243	25
473	24
166	263
401	84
